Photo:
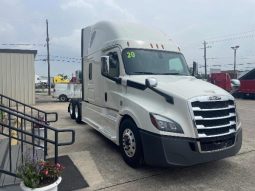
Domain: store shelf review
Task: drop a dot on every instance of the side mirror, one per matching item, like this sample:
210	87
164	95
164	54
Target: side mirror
195	69
151	82
105	65
235	84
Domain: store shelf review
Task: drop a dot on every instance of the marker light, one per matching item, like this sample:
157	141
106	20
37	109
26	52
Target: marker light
151	45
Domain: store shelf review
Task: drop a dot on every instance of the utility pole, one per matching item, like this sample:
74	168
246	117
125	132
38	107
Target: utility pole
205	47
235	48
48	57
205	59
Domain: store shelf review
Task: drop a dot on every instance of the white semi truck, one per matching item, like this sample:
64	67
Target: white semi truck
137	91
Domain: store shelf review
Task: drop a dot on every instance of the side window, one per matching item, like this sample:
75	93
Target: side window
90	71
175	65
113	64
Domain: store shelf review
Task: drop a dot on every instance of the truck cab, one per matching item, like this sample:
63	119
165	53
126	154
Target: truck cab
137	91
221	79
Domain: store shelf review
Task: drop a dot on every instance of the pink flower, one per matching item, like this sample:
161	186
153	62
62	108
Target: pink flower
58	165
42	163
46	172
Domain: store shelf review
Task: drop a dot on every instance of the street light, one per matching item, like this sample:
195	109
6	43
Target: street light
235	48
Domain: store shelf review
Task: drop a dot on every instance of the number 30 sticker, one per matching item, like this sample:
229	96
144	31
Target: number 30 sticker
130	54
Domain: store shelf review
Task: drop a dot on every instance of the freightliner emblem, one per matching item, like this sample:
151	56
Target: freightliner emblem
214	98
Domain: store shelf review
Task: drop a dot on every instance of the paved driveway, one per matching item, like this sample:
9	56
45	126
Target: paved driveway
102	166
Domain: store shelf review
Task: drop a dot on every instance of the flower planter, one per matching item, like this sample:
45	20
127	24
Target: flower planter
51	187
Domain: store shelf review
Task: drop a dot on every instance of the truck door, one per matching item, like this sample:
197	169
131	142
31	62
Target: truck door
112	90
90	85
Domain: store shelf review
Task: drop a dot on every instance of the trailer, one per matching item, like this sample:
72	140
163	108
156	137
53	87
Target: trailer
137	91
65	92
247	87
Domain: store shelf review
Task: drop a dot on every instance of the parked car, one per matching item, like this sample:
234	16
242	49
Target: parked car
64	92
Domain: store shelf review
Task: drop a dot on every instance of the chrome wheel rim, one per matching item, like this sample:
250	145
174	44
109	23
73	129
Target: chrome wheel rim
129	144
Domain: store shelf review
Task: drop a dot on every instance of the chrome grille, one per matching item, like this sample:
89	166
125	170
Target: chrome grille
214	118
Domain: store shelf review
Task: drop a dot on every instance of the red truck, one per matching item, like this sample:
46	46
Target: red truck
247	83
247	87
222	80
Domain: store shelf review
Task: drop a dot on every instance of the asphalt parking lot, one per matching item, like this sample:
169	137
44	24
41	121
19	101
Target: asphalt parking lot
102	166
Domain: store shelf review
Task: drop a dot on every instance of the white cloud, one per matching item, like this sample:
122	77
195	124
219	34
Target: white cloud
99	9
188	22
70	42
6	28
76	4
127	15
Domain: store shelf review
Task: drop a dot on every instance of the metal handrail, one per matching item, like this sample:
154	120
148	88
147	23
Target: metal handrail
46	114
35	123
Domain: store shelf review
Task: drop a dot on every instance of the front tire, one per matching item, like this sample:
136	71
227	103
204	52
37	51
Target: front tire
130	143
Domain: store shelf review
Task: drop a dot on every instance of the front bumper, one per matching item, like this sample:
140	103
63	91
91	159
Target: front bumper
177	151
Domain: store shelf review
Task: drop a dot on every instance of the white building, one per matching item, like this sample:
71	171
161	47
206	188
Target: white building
17	74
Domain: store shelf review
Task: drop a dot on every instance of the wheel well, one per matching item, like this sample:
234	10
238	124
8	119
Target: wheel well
122	119
62	95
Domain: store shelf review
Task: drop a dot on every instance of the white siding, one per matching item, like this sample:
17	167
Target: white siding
17	76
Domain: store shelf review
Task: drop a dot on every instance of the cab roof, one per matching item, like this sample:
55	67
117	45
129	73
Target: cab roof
105	32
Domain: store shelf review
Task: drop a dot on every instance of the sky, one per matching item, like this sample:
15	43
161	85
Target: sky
221	23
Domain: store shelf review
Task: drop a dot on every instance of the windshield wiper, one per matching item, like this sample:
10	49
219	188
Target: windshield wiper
143	73
171	73
153	73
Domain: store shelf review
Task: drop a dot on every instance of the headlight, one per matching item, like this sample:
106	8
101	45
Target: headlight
165	124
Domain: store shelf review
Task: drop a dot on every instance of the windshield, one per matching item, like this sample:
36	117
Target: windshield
155	62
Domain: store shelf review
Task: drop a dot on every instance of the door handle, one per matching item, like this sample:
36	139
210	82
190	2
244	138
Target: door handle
105	96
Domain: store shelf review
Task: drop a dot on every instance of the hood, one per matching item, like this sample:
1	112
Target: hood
181	86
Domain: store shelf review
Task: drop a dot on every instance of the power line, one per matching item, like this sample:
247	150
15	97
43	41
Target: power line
232	38
57	60
57	56
224	38
21	44
231	35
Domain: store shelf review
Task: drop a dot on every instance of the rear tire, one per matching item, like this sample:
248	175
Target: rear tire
71	110
77	113
130	143
63	98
